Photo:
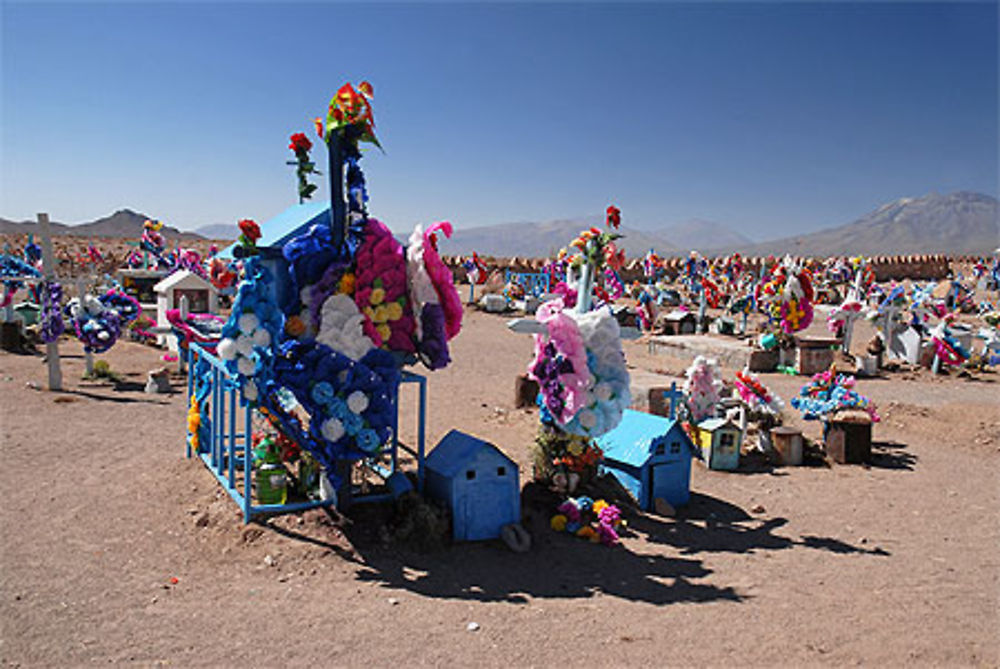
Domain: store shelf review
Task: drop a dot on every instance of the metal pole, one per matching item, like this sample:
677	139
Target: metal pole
338	205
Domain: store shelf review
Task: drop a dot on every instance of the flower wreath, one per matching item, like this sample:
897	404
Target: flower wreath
97	326
755	394
436	304
381	289
350	402
829	392
52	320
560	365
127	306
252	330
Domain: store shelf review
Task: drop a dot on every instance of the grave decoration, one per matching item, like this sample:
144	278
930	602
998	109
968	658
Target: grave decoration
98	321
596	521
52	318
580	367
828	393
13	271
322	323
301	146
756	395
702	387
789	297
947	349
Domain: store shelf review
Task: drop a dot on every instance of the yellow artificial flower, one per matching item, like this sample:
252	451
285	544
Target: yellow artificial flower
377	296
381	314
384	332
394	311
587	532
599	506
575	448
558	523
370	313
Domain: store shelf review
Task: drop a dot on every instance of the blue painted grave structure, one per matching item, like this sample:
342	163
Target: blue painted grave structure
329	310
478	483
651	457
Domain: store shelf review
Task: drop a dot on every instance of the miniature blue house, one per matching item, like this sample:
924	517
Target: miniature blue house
478	483
651	457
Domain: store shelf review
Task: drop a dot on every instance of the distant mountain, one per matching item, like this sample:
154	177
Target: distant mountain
703	236
220	231
536	240
123	223
957	223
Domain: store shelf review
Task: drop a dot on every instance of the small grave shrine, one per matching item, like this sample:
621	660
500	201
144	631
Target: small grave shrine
478	483
202	298
720	440
651	457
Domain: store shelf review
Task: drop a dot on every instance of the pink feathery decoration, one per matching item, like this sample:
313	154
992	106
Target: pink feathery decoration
451	303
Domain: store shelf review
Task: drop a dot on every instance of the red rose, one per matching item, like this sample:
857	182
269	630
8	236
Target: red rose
614	217
300	143
250	230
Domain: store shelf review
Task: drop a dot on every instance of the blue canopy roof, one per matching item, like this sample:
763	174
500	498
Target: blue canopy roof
288	224
633	440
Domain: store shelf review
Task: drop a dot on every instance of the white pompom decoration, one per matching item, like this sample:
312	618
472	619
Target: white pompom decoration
262	338
332	429
250	391
248	322
244	345
245	366
357	402
227	349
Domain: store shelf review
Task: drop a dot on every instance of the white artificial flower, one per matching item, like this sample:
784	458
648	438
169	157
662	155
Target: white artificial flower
587	419
341	329
248	322
250	391
357	402
603	392
244	345
332	429
261	337
227	349
245	366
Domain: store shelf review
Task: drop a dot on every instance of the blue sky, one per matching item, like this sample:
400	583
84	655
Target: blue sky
771	118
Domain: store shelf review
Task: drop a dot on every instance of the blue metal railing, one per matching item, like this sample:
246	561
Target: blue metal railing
228	449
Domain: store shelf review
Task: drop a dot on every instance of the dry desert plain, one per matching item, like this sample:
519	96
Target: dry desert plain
116	548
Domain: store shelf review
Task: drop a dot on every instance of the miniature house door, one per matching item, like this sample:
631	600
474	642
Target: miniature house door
669	478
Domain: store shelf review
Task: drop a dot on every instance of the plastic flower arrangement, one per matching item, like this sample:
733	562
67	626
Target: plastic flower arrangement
350	108
702	385
301	146
947	348
52	320
437	306
756	395
96	325
789	295
151	240
598	522
829	392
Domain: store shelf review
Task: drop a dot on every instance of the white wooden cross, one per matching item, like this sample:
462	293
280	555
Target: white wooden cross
49	272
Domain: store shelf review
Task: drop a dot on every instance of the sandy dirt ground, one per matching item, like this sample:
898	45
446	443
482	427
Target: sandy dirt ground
116	548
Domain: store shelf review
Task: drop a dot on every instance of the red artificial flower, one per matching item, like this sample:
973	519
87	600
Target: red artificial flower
300	143
250	229
319	126
614	257
614	217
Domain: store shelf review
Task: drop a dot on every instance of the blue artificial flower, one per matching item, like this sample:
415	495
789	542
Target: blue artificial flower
338	408
368	440
322	393
353	423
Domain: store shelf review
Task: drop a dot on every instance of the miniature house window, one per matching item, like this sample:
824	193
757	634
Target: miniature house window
470	474
661	449
727	441
501	471
675	447
197	299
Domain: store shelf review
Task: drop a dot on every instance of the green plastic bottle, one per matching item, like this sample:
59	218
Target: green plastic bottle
272	479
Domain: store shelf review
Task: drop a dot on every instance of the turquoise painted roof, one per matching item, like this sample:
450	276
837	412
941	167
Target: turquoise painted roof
634	439
454	452
289	223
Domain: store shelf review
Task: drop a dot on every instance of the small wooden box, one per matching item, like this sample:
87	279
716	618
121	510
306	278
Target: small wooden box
848	437
813	355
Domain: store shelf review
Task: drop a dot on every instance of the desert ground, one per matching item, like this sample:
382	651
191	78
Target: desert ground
116	548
